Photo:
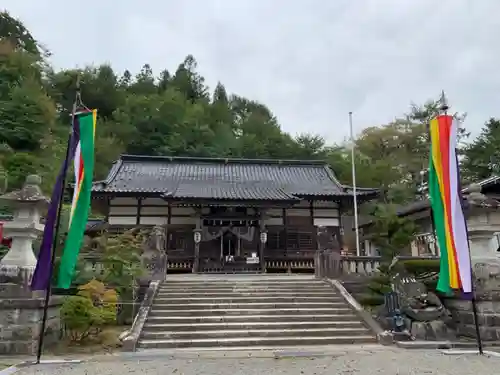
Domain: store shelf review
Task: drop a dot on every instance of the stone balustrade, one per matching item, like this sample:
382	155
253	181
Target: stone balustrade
361	265
333	265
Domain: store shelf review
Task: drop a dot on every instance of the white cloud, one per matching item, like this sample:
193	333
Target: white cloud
310	62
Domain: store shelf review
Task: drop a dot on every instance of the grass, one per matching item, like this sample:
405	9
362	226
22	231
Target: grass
106	342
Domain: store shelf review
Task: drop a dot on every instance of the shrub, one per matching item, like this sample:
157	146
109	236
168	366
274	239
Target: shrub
421	267
81	318
371	300
89	311
100	296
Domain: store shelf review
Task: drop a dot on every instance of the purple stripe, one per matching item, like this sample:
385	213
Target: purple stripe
41	277
465	296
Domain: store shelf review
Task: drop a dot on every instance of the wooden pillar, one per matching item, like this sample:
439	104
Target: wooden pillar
314	233
262	241
197	241
139	209
108	208
340	231
285	230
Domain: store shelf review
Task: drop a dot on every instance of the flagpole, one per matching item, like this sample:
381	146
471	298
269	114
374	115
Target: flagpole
444	109
354	193
48	290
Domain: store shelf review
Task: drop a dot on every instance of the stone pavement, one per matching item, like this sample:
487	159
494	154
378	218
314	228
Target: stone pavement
368	360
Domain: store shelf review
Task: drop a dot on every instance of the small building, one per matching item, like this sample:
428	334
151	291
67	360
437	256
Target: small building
251	215
420	213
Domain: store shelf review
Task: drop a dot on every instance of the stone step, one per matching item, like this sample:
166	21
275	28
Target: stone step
257	293
265	332
245	305
255	284
257	341
246	325
238	299
254	318
202	290
214	312
232	286
246	279
189	311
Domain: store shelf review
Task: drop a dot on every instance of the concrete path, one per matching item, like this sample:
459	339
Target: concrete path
366	360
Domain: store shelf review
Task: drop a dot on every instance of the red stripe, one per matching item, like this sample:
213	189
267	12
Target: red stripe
444	126
80	172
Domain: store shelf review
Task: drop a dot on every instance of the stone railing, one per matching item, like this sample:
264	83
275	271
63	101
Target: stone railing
155	268
361	265
333	265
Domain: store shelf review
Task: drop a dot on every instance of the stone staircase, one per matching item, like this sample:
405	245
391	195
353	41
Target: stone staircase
250	311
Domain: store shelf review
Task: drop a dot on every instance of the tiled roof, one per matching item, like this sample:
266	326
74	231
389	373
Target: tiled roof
95	225
224	179
425	204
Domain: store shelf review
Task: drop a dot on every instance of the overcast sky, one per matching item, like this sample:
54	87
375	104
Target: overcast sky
310	61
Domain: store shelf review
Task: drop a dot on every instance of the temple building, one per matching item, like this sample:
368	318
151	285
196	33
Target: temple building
229	215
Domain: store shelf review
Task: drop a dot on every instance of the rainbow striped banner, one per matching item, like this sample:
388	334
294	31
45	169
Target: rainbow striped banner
446	201
85	124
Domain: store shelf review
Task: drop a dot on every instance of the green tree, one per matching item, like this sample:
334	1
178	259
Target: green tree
17	35
482	156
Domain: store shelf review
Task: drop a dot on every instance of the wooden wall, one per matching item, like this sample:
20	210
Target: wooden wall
155	211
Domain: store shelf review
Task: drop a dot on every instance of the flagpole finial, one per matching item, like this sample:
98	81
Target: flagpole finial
443	102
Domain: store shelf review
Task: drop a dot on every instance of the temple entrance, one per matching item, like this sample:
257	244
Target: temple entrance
230	247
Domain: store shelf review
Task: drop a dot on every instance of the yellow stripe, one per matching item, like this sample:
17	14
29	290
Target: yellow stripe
75	200
94	120
436	157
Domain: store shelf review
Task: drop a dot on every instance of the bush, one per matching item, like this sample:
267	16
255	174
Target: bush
380	283
89	311
81	318
101	297
421	267
371	300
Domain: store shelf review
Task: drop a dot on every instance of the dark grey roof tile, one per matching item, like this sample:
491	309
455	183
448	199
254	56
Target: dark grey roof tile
237	179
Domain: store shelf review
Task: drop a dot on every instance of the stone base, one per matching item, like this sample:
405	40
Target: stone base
20	324
432	331
17	277
488	318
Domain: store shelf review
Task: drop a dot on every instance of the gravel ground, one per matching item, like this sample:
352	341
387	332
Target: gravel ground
386	361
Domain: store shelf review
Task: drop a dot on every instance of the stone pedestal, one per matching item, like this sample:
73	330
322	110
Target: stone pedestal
483	223
21	310
20	324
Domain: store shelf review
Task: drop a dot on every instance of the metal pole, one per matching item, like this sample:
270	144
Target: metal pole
48	291
355	198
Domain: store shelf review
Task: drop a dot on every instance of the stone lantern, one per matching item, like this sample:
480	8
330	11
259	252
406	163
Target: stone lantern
21	310
27	204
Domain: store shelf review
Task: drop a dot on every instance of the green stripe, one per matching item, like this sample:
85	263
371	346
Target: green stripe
81	213
440	227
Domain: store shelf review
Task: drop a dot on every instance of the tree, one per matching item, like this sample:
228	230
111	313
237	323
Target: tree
393	156
188	81
176	114
28	115
482	156
17	35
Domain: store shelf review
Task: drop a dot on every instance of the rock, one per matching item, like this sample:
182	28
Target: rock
436	330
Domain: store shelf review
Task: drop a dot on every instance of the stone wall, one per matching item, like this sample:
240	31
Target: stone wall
20	324
488	318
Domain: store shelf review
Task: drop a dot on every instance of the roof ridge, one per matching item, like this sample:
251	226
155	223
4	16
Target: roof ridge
129	157
332	176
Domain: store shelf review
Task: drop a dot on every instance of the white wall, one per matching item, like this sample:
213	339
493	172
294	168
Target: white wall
154	211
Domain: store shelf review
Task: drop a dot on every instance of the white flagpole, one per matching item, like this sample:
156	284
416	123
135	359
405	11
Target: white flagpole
355	198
